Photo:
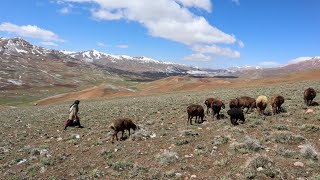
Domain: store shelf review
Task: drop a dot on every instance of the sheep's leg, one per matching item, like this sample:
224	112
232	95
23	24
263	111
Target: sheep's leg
129	131
122	135
218	114
191	120
208	110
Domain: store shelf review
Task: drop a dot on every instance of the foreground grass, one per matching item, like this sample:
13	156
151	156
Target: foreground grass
33	144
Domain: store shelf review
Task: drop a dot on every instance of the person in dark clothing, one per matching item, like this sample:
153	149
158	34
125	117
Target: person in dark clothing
73	119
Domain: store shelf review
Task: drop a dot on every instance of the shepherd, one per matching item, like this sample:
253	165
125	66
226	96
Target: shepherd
73	119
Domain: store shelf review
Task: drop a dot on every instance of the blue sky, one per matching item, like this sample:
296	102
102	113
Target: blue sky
204	33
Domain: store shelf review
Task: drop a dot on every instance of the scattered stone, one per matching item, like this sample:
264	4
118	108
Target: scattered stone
260	169
178	175
300	178
193	176
59	139
309	111
214	147
115	150
298	164
22	161
44	153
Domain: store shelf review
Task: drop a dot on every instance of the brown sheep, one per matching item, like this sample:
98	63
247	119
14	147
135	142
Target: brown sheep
276	102
261	103
216	106
233	103
122	124
309	94
246	102
195	110
208	103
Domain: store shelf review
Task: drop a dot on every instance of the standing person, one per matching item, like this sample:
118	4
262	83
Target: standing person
73	119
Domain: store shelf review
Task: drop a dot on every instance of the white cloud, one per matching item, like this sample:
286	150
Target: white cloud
122	46
101	44
65	10
168	19
198	57
201	4
269	64
48	43
241	44
237	2
216	50
30	31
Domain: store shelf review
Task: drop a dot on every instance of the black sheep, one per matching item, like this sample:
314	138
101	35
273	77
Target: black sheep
235	115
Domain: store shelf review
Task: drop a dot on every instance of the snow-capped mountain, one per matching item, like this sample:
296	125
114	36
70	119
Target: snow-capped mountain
139	64
20	47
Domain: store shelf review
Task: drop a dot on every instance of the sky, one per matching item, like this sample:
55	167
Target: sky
203	33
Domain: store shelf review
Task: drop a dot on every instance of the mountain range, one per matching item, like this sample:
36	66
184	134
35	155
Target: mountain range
23	65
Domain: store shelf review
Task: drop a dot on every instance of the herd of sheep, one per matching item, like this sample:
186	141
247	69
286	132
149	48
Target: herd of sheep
235	112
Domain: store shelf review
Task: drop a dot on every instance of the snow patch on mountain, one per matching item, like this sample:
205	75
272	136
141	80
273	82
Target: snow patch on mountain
302	59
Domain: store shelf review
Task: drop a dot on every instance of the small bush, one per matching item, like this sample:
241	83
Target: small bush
96	173
309	152
310	128
266	163
189	133
121	166
218	140
252	144
181	142
285	152
167	157
288	138
280	127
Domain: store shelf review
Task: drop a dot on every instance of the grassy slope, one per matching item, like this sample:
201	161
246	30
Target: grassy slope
208	150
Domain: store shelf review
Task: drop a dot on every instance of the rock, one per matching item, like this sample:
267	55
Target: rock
22	161
193	176
214	147
178	175
309	111
59	139
44	153
298	164
260	169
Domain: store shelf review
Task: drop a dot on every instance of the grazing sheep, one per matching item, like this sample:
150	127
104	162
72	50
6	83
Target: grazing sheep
309	94
208	103
216	108
276	102
235	115
233	103
195	110
261	103
122	124
246	102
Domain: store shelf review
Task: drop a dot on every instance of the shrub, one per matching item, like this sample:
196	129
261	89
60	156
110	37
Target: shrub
309	152
167	157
